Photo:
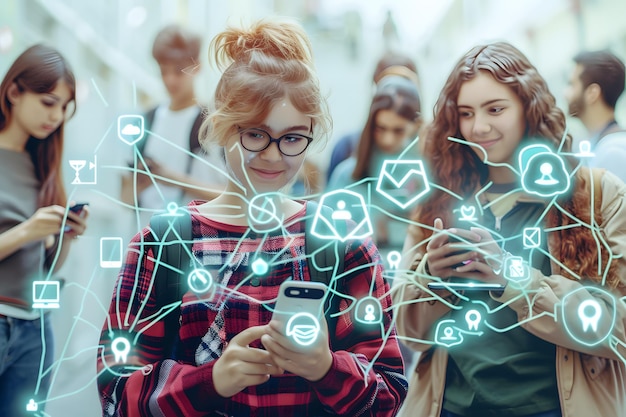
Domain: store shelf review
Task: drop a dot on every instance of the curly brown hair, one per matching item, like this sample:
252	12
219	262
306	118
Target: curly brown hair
455	167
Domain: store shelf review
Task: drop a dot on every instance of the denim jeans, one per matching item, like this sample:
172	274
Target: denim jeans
553	413
20	361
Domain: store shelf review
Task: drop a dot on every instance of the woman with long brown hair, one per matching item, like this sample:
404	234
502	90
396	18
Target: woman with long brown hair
36	96
511	210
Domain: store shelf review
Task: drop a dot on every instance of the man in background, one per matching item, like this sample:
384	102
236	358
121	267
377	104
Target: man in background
171	165
595	85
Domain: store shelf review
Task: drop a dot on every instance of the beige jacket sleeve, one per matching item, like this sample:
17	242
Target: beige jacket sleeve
540	305
416	308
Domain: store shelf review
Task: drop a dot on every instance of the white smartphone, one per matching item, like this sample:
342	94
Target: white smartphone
465	286
299	308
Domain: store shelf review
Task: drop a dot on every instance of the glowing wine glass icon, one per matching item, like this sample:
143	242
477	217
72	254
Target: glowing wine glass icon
77	165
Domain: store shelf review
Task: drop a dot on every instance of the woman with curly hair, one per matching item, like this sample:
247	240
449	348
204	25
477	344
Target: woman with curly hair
511	207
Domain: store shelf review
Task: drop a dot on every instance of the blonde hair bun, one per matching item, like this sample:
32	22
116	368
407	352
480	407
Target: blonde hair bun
277	37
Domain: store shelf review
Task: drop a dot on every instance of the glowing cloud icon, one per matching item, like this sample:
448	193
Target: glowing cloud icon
130	128
303	328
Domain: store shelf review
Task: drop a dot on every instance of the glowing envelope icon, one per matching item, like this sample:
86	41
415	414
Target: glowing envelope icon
303	328
403	182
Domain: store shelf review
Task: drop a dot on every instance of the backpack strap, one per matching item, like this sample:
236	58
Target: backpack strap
597	194
325	254
175	234
148	119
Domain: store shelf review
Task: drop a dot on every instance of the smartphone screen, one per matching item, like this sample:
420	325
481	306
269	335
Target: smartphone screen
299	307
111	252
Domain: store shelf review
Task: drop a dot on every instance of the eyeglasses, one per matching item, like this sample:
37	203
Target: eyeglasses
257	140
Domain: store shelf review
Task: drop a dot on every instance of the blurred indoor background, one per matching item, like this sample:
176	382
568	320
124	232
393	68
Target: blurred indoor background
108	43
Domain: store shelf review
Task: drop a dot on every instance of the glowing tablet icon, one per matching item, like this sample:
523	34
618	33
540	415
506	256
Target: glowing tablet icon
303	328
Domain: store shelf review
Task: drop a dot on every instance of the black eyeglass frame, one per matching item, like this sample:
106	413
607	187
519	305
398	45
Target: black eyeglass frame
273	140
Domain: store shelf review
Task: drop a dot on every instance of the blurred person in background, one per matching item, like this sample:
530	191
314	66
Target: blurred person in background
170	165
394	118
525	349
595	86
37	95
391	63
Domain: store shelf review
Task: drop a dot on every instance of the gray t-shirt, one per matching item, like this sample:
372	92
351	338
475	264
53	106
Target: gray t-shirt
19	188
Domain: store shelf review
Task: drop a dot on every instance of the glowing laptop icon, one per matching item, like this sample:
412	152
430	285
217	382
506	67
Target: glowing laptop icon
46	294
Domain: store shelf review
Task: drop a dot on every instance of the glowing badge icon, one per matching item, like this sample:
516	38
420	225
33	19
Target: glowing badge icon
473	318
303	328
403	182
589	315
347	205
130	128
543	171
120	347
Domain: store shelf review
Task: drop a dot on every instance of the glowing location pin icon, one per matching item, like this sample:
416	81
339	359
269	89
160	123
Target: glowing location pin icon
472	318
120	347
589	320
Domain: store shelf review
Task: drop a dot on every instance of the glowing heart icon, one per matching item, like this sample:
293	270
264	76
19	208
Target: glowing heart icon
468	213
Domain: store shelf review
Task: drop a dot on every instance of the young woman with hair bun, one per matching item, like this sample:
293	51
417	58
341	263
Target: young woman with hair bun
232	358
512	206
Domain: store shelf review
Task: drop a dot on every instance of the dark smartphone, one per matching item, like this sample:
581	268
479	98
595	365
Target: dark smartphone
76	208
456	239
465	286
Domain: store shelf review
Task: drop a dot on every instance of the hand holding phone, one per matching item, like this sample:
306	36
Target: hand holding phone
77	209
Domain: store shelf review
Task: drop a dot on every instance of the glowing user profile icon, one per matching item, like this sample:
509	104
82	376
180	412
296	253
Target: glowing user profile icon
589	315
345	204
368	310
543	172
448	334
584	150
263	212
303	328
130	128
403	182
120	347
199	280
32	405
